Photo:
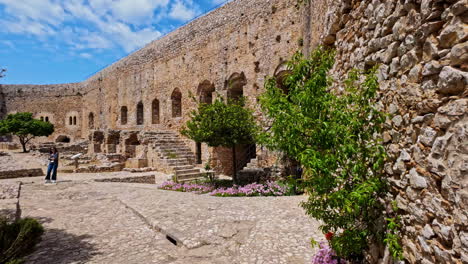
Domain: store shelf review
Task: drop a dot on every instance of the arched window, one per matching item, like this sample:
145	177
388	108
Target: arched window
155	112
70	121
123	115
74	120
91	121
47	119
42	118
140	114
176	99
205	92
235	86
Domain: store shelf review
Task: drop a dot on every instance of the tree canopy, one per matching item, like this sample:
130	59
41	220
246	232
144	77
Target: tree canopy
222	124
25	127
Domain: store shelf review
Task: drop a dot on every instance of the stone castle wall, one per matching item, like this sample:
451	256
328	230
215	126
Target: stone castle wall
421	49
57	102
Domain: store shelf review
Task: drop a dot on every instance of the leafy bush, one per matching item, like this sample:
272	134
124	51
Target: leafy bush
335	135
18	239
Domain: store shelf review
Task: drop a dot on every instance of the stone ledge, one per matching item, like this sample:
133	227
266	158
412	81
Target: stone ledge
10	174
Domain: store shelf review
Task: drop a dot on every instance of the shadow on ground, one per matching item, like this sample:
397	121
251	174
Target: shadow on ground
58	246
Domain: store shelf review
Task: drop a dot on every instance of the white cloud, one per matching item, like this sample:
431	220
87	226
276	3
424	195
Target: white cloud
48	11
86	55
84	25
183	11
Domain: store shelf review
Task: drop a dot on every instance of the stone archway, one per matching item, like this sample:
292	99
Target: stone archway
205	92
281	73
235	86
63	139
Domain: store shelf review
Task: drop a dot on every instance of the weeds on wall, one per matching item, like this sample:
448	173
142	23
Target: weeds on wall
335	135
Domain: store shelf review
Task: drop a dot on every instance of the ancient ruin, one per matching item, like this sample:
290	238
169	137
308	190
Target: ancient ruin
131	111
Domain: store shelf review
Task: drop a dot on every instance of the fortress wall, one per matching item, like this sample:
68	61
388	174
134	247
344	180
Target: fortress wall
421	49
248	38
56	102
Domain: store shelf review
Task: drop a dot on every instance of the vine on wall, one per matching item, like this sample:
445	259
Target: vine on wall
335	135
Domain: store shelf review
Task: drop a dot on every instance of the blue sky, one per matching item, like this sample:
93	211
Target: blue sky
60	41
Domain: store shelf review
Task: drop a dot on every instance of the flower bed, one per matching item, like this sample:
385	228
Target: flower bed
186	187
254	189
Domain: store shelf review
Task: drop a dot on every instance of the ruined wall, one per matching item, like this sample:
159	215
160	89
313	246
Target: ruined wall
57	103
421	49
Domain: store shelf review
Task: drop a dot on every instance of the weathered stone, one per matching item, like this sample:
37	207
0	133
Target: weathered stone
430	50
459	54
415	73
405	156
431	68
453	33
454	108
408	60
427	136
416	180
459	7
452	81
442	121
425	247
427	232
397	120
395	66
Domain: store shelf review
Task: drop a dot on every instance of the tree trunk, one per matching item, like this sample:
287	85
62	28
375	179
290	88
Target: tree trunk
23	144
234	165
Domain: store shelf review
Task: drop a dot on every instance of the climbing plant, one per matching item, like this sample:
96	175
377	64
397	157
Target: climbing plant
333	130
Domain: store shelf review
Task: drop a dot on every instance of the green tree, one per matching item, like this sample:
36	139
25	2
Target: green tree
25	127
335	135
222	124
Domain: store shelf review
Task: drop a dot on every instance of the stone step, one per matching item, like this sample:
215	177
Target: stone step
189	176
184	167
187	171
173	163
179	156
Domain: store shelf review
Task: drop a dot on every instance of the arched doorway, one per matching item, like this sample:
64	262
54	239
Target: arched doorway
176	99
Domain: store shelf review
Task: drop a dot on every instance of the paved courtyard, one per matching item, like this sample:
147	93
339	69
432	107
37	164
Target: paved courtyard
100	222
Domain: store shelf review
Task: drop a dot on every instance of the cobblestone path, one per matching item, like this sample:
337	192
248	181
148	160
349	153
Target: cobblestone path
91	222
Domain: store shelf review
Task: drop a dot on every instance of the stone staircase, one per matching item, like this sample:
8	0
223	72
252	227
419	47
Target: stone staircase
176	155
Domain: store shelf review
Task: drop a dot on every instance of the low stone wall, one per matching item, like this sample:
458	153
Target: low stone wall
8	146
9	174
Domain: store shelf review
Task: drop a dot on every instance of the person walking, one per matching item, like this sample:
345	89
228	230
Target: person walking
53	165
